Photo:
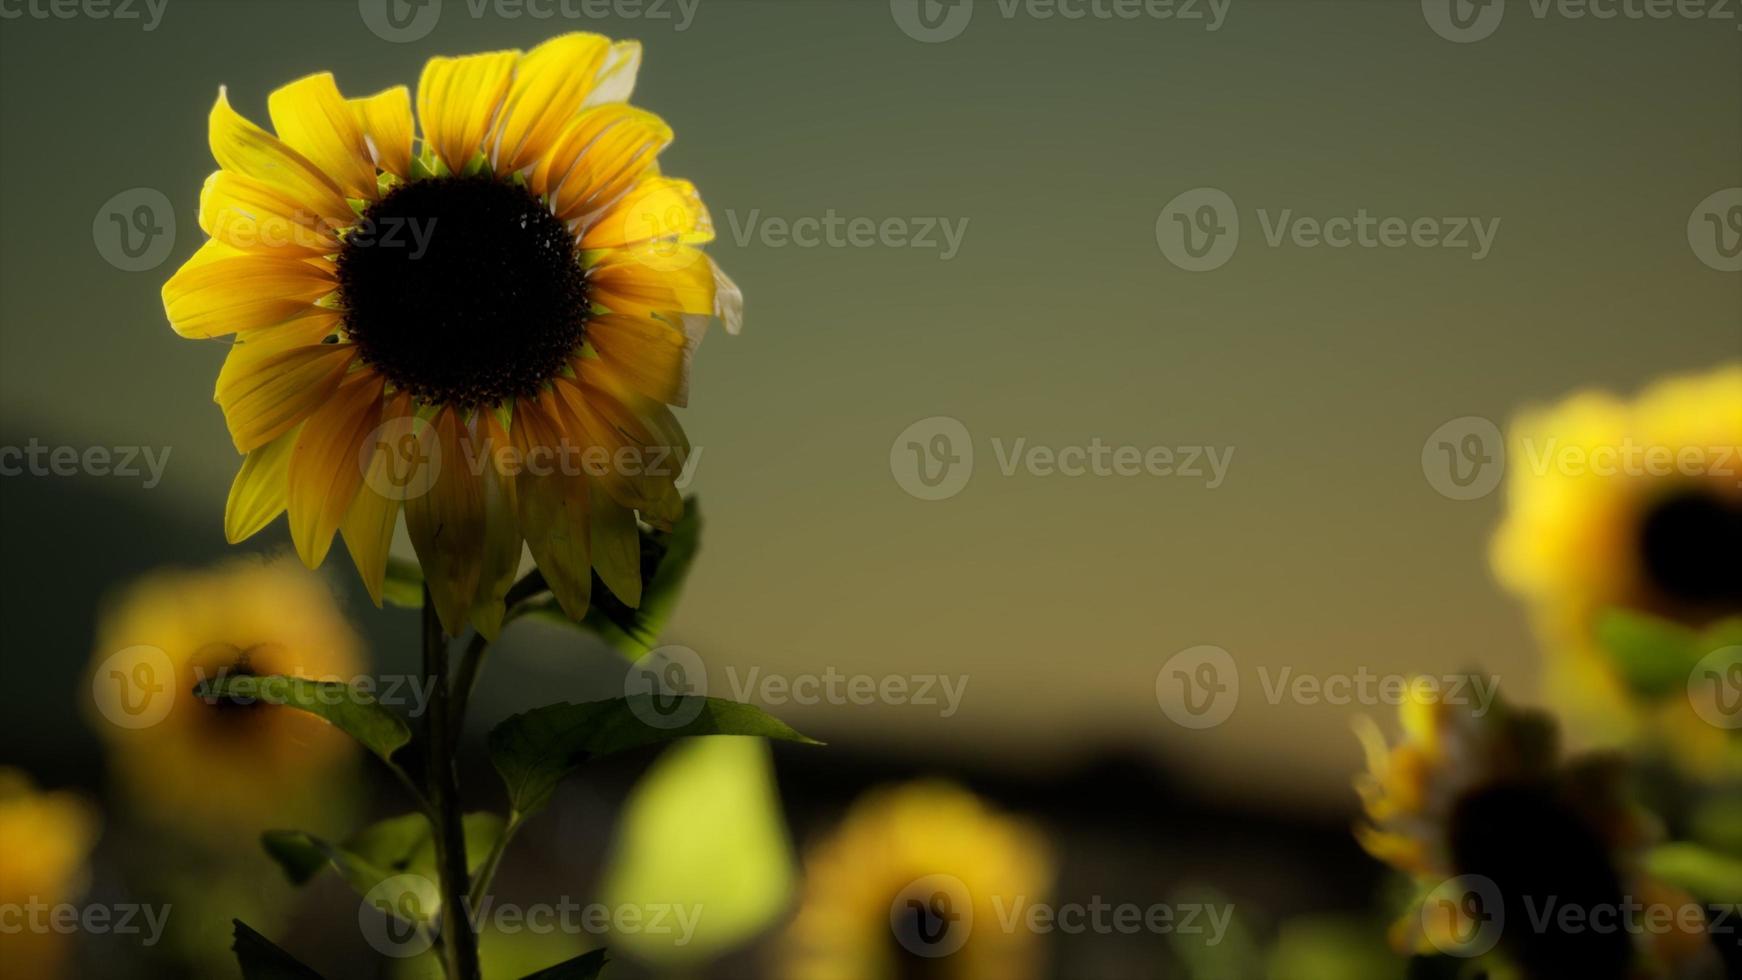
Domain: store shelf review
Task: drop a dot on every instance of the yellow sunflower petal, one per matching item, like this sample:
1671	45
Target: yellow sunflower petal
312	118
250	349
654	278
222	290
637	463
551	83
457	99
282	390
257	496
240	146
655	209
368	525
551	505
502	540
616	79
650	355
616	548
385	119
326	466
250	215
444	511
598	157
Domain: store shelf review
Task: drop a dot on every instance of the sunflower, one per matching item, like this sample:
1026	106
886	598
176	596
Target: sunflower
208	764
486	324
1623	505
1482	804
45	841
912	884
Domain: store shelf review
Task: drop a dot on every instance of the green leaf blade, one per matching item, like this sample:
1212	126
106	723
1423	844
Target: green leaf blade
352	711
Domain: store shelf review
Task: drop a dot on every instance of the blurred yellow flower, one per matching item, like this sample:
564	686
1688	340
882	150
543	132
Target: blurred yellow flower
45	839
1487	819
1625	505
914	882
183	758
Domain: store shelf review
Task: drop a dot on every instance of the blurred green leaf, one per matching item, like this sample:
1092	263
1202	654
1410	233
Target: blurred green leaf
584	967
1228	953
403	585
350	710
1346	947
534	750
666	557
1710	876
397	845
1717	823
701	833
1653	655
260	959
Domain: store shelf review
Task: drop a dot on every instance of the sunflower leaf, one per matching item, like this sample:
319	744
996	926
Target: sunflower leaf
583	967
352	711
261	959
534	750
394	846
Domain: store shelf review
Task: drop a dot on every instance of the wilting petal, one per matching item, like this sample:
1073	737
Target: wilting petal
616	81
457	99
616	548
312	118
385	119
502	540
257	496
368	526
551	83
551	505
281	391
239	145
444	511
222	290
326	467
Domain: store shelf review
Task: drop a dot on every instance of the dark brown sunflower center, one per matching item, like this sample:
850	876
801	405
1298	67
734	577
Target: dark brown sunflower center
463	290
1688	547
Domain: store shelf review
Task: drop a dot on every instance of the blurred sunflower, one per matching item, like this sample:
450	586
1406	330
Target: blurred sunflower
1636	506
1480	809
911	885
45	840
513	297
215	764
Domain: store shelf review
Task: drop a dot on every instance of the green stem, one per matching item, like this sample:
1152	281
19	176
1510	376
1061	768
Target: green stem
487	870
459	942
471	664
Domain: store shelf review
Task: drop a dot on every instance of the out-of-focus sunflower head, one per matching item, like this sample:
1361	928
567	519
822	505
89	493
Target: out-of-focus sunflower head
912	883
45	840
482	319
1478	808
1618	505
217	763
